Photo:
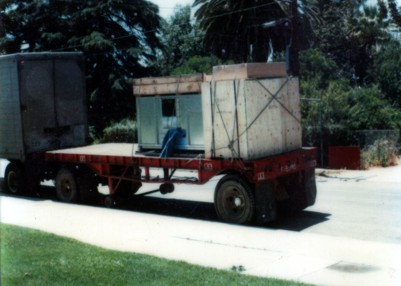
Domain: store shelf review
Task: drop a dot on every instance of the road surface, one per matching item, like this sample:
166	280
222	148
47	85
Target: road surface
352	236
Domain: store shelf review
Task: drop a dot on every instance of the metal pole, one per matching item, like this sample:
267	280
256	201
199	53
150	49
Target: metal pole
320	125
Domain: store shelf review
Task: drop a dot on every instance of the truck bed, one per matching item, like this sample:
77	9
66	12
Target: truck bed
109	149
102	156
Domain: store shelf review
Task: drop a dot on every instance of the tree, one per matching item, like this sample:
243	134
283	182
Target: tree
395	12
315	66
198	64
234	29
182	39
386	72
338	106
351	34
119	39
369	110
367	33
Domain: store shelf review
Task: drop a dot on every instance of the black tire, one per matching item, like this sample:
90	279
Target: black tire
302	194
110	202
15	179
126	188
88	191
234	200
310	188
67	186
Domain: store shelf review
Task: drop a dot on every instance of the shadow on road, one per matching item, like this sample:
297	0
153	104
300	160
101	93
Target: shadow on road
192	210
300	221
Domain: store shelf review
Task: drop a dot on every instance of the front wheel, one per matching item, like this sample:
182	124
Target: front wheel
234	200
15	179
66	186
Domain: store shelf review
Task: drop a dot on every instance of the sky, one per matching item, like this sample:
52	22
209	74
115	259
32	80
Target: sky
167	6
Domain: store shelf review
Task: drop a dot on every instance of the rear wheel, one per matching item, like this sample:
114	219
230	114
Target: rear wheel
234	200
88	188
301	192
15	179
126	187
67	186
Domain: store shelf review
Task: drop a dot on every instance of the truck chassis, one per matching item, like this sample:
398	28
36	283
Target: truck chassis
250	190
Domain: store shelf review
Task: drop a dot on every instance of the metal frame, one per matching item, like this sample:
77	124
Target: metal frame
255	171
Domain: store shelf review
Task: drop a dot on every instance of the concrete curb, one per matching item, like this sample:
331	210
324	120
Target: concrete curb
304	257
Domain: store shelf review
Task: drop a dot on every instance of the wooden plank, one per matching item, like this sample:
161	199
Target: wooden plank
167	85
167	89
106	149
168	79
207	120
225	121
249	70
292	117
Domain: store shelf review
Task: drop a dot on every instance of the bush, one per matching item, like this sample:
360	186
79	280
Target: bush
121	132
383	153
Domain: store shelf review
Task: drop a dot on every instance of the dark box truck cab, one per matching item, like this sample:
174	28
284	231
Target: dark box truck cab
42	106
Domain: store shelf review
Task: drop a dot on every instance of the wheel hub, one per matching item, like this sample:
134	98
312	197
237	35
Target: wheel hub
237	202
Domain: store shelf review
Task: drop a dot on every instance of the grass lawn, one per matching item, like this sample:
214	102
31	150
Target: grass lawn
30	257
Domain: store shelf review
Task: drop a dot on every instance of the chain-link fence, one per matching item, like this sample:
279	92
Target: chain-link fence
366	138
385	141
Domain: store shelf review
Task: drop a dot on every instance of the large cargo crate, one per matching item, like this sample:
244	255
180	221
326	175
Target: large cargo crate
251	118
42	103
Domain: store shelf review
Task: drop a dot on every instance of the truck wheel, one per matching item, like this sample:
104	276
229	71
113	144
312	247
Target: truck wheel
88	190
234	200
126	188
66	186
110	202
14	179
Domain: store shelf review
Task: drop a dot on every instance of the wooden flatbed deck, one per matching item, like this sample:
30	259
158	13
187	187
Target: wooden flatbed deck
109	149
102	157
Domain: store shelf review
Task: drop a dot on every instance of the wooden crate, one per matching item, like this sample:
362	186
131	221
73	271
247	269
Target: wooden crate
250	118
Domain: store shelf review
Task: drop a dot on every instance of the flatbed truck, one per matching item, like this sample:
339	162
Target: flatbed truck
249	190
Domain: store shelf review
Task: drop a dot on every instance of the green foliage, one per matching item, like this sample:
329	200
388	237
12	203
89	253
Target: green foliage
351	34
30	257
118	38
122	131
386	71
382	153
369	110
197	64
315	66
395	12
182	40
336	107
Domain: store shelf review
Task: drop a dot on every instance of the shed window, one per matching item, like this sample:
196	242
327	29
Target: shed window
168	107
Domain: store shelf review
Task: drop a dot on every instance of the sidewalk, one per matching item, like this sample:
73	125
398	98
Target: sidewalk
303	257
390	174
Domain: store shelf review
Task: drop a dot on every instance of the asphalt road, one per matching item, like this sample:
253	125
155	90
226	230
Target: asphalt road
354	204
351	236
